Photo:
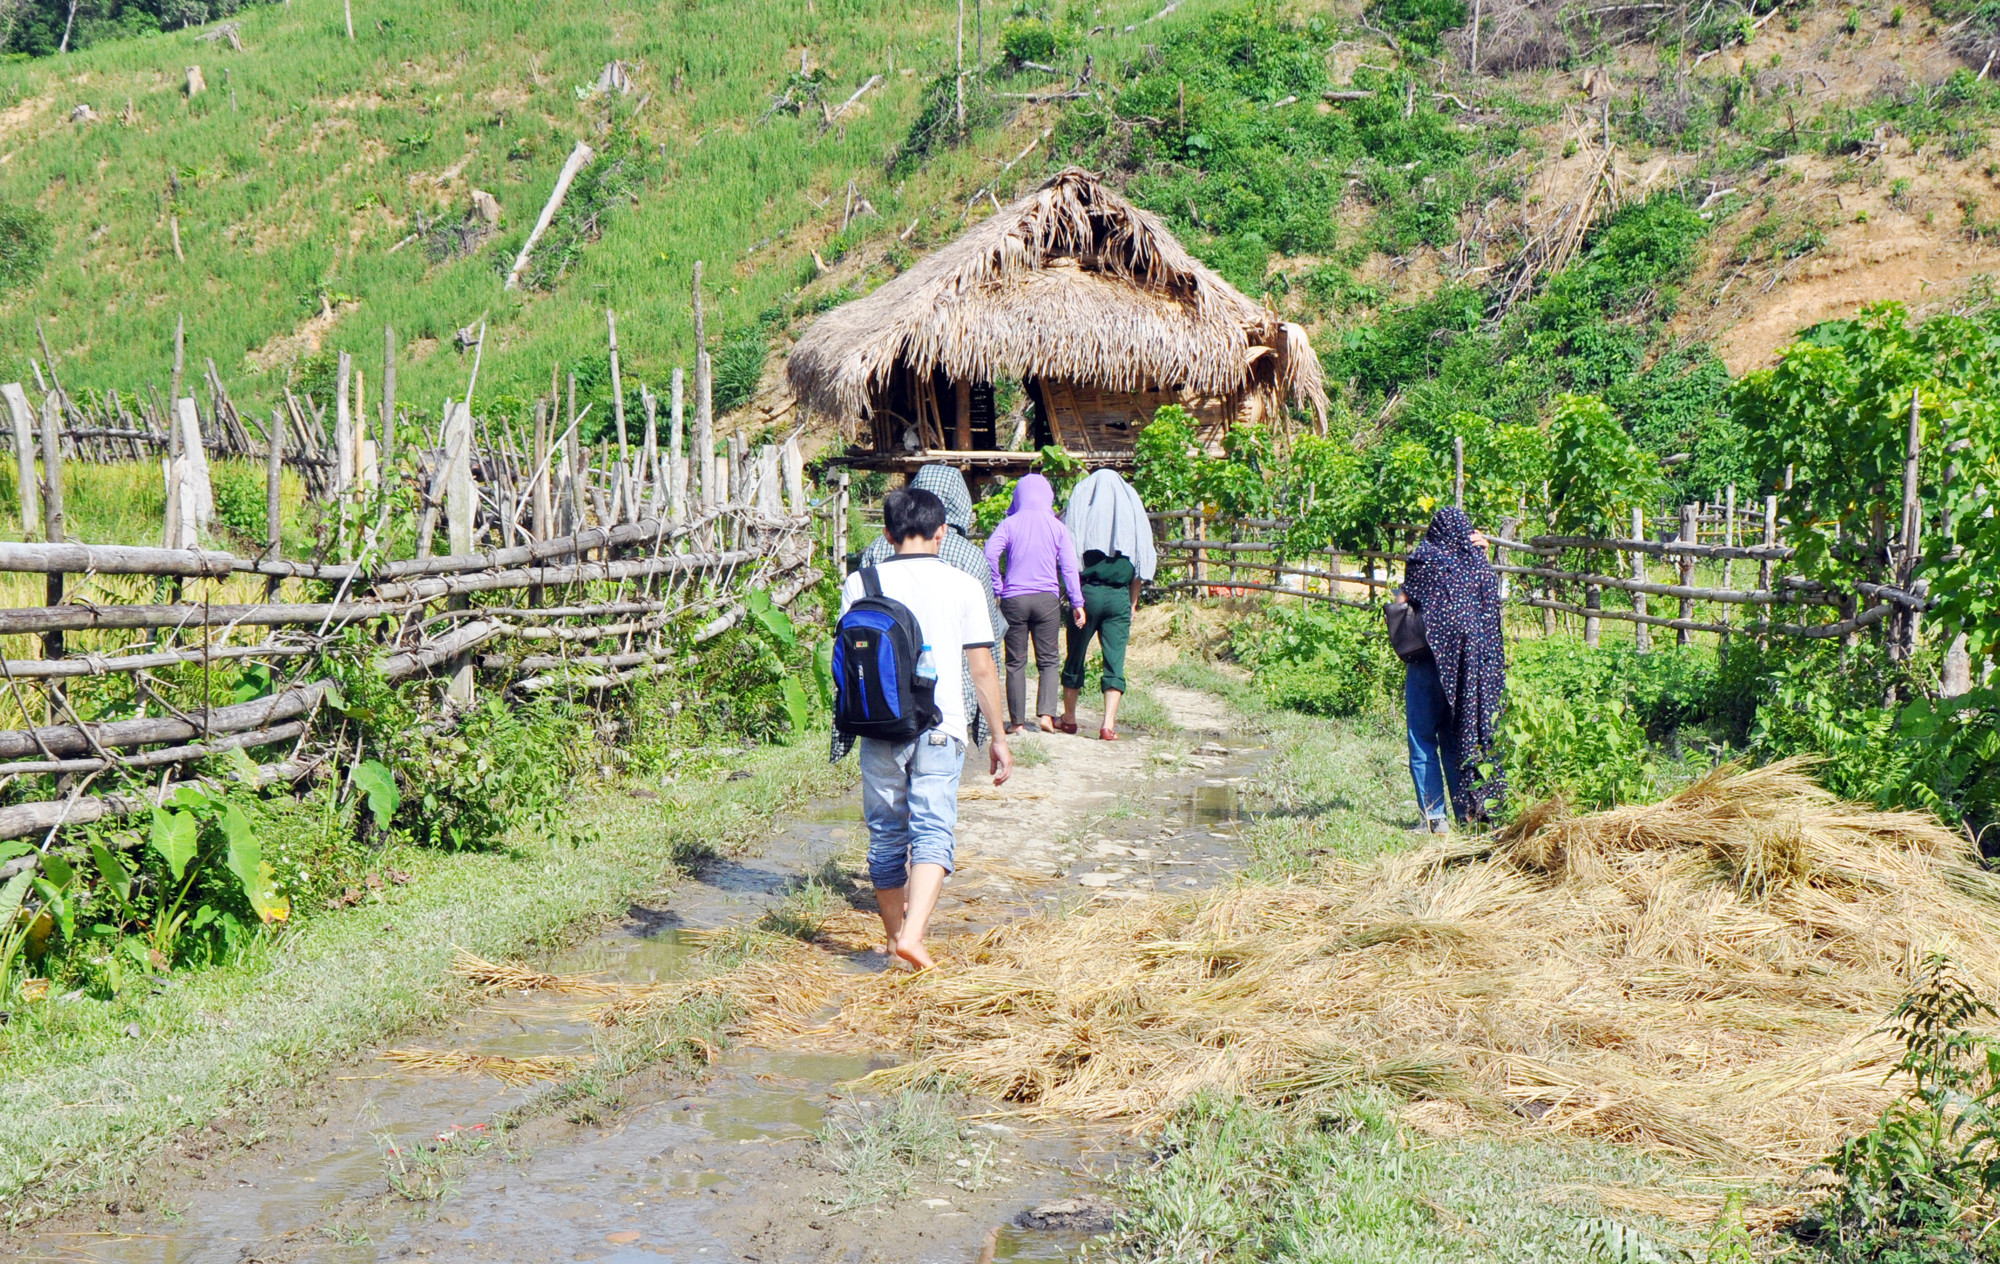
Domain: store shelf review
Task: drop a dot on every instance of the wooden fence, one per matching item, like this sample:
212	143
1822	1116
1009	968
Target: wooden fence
625	560
1710	576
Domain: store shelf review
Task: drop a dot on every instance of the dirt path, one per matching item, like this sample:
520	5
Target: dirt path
724	1167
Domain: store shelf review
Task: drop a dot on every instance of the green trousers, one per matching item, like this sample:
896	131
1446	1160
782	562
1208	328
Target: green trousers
1107	615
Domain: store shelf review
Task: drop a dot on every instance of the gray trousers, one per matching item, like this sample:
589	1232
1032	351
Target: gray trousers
1038	615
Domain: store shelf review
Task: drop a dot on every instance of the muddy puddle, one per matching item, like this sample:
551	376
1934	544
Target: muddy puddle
724	1167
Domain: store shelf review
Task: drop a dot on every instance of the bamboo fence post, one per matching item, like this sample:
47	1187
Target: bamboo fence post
677	474
197	495
1593	626
769	481
388	396
840	520
274	508
1764	570
794	464
538	492
1642	634
1729	533
1689	518
574	473
461	500
617	390
1903	628
23	418
1458	470
343	447
52	509
1198	516
649	457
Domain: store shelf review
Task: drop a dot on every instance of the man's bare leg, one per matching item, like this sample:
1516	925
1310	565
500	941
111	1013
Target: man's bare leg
926	884
890	904
1069	705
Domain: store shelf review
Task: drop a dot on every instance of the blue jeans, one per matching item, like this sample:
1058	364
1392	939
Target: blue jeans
909	800
1434	755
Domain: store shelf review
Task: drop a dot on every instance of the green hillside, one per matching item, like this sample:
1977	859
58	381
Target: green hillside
306	161
1344	162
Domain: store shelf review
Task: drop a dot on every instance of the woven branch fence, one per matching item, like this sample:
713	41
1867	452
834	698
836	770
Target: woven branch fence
564	568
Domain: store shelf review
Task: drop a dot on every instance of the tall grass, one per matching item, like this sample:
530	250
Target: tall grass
309	157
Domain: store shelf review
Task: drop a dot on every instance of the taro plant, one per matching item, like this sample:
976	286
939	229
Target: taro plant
775	627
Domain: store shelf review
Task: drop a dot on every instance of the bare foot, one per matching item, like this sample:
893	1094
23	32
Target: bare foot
913	952
1047	724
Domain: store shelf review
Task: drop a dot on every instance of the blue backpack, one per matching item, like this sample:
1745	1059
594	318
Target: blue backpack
877	692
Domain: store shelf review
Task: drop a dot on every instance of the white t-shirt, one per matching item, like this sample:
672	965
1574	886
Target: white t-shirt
951	609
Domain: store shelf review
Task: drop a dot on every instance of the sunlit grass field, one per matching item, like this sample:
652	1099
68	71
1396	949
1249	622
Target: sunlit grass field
308	158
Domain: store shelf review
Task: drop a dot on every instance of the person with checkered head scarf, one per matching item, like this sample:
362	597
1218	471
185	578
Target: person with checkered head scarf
948	485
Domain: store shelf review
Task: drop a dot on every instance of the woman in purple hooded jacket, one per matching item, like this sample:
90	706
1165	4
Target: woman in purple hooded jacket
1034	561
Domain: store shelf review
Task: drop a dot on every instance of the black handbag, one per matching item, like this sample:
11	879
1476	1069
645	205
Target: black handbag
1406	631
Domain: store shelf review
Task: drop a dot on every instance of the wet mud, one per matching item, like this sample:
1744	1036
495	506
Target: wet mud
385	1163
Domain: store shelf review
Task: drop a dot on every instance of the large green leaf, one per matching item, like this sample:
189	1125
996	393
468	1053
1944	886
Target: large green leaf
11	896
797	710
246	861
109	867
775	623
176	837
377	782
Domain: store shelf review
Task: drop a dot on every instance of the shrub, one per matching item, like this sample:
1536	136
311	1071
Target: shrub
1167	461
25	241
1591	750
1321	660
1029	40
1917	1185
1421	24
239	499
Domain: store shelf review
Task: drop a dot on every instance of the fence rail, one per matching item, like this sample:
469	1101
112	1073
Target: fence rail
1214	554
625	558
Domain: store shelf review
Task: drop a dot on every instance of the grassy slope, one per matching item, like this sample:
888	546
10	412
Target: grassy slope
213	1041
333	149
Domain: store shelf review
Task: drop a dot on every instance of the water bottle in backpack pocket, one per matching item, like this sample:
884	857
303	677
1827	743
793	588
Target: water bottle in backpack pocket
884	678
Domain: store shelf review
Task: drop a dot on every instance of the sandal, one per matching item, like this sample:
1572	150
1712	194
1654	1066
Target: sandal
1067	726
1107	735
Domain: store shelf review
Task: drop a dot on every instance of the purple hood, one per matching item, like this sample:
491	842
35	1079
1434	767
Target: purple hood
1031	550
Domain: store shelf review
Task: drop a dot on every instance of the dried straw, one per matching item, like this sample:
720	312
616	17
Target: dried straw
1702	975
781	994
512	976
514	1071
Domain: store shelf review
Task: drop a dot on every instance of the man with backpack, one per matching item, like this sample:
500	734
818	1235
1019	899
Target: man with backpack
909	626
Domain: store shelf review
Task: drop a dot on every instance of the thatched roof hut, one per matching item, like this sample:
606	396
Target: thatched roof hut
1086	299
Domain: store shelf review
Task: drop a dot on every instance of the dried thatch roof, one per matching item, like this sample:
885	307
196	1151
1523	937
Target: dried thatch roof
1073	283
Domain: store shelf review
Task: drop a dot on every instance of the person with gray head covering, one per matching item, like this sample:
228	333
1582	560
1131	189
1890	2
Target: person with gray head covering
1109	522
948	485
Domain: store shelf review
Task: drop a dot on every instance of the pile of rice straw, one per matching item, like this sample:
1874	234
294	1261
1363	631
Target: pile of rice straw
1702	975
514	1071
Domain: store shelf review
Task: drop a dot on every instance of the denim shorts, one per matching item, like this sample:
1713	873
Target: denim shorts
909	799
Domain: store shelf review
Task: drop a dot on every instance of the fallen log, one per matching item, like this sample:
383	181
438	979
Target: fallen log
579	158
169	755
